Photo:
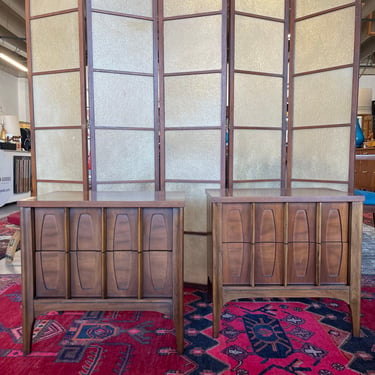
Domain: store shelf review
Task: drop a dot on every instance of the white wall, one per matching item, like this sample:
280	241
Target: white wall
23	100
368	81
8	94
14	96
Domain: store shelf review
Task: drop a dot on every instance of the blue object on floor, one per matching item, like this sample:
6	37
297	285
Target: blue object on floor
369	202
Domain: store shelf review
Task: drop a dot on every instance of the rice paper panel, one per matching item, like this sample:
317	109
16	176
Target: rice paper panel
193	100
257	155
59	47
59	154
131	186
123	100
195	259
57	99
257	185
134	7
321	154
192	44
195	212
193	155
306	7
259	45
124	155
270	8
178	7
48	6
258	100
323	98
122	43
48	187
320	185
325	41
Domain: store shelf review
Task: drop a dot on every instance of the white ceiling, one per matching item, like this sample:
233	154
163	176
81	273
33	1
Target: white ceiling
13	34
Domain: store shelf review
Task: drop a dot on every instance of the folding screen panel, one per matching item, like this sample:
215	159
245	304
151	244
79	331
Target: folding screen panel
122	68
193	107
257	92
57	95
323	86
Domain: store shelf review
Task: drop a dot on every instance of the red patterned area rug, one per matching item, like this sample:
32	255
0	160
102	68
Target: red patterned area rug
6	232
368	219
273	336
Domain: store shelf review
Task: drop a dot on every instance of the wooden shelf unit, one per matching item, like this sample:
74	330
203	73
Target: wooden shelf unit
364	169
116	251
303	244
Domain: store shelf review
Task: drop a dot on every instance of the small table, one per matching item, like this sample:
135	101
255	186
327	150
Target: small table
115	251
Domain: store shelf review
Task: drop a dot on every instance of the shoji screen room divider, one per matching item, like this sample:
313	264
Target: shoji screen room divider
195	94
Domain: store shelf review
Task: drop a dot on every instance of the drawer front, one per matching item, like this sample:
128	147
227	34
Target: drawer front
334	243
122	252
85	252
50	258
236	222
269	237
157	250
301	243
236	264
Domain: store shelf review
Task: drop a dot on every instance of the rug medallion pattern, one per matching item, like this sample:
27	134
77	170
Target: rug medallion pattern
258	336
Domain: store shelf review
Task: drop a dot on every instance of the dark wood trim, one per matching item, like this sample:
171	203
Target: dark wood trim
322	126
123	128
161	96
31	99
292	55
90	76
323	70
82	68
192	15
356	62
98	182
259	16
156	129
183	128
190	181
257	128
232	7
193	73
284	125
224	82
258	73
52	14
123	72
119	14
196	233
58	71
330	10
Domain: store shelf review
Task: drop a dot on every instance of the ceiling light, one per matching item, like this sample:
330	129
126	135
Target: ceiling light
13	62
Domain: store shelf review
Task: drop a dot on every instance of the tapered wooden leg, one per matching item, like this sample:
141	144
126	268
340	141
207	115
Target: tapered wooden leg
27	330
355	307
